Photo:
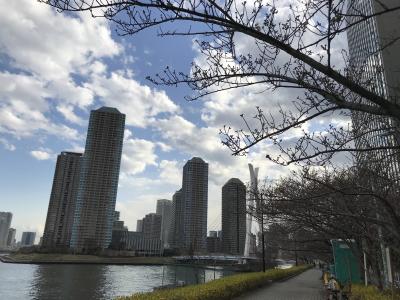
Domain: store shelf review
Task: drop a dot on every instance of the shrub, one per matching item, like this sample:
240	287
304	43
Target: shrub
359	292
223	288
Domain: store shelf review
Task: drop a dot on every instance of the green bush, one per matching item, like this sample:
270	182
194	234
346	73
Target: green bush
223	288
359	292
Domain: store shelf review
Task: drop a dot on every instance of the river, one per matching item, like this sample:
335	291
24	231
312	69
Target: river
85	282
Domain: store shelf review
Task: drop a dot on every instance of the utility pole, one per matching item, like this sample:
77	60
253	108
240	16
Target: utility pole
262	229
263	242
237	220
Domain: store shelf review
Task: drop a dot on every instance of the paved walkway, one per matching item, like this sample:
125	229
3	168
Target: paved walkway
306	286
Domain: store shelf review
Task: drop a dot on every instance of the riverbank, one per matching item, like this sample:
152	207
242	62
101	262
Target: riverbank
40	258
225	288
54	258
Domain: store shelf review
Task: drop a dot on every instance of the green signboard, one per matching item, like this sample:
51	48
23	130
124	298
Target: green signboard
346	266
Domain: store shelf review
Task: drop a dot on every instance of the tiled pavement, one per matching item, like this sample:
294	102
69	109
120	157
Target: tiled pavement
306	286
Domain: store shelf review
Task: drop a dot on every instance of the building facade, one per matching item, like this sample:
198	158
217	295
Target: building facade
152	226
375	63
5	223
28	238
377	70
61	210
135	241
139	225
233	217
213	244
97	192
164	209
176	236
116	215
11	237
195	199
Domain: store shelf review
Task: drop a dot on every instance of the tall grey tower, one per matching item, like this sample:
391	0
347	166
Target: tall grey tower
5	222
176	236
195	198
60	214
98	185
233	216
375	62
164	208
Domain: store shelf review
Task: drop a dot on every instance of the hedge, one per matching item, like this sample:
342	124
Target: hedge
223	288
360	292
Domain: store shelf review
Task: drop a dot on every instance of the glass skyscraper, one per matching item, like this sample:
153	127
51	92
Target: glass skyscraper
97	192
374	48
375	64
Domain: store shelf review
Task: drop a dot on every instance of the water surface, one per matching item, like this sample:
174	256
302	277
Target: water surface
52	281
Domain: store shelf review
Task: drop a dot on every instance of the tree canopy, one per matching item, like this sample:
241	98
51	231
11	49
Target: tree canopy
293	44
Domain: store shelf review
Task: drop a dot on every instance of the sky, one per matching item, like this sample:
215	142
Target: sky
55	68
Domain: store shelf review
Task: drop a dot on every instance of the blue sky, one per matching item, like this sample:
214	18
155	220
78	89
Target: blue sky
55	68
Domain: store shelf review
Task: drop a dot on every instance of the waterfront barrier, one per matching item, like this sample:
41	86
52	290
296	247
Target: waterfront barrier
224	288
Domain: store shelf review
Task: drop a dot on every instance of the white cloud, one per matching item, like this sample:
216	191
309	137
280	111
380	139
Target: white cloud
171	172
68	112
164	147
45	50
7	145
50	44
137	154
23	107
42	154
193	140
140	103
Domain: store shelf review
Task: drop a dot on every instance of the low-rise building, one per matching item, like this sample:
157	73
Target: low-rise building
136	241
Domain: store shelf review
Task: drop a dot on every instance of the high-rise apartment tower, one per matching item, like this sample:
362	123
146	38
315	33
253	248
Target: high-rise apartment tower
97	193
164	208
195	199
233	216
60	214
5	222
11	237
176	236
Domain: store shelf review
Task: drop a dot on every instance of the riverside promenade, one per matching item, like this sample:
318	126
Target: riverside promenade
306	286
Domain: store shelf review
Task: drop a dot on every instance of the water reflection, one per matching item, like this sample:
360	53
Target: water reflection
68	282
75	282
15	281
